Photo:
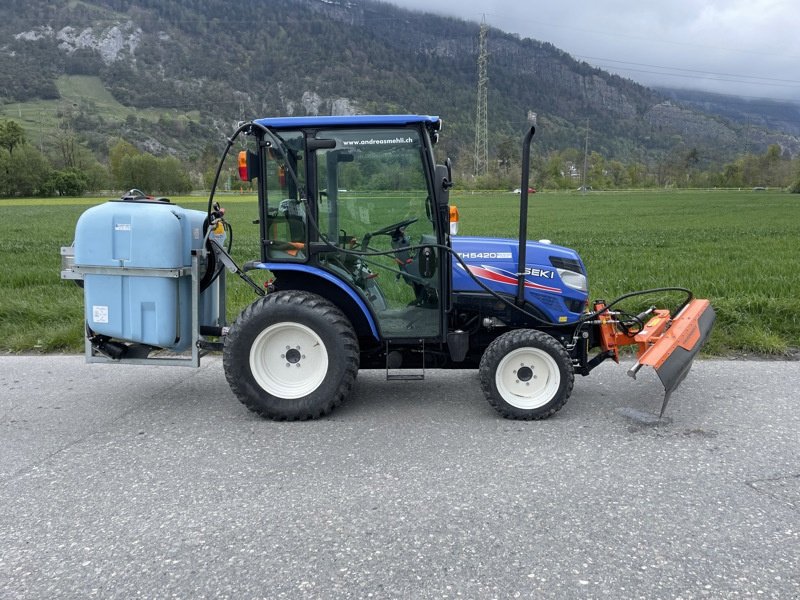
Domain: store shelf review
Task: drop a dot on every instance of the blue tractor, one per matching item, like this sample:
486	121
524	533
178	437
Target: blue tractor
367	271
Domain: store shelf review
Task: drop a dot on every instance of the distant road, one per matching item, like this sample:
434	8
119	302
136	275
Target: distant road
155	482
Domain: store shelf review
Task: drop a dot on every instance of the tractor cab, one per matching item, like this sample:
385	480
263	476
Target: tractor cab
351	205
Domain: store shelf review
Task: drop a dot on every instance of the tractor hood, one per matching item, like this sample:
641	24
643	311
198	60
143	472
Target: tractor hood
555	277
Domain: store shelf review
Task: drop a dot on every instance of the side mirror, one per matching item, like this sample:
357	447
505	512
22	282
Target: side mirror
443	181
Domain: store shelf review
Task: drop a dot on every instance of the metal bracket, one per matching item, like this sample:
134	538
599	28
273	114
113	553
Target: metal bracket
199	346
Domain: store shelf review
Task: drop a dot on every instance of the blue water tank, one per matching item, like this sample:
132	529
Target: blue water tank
142	235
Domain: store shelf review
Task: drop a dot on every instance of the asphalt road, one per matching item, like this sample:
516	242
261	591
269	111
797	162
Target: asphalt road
155	482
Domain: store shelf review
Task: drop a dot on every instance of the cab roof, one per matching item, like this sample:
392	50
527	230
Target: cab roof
347	121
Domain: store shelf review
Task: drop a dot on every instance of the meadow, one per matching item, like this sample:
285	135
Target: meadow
740	249
78	92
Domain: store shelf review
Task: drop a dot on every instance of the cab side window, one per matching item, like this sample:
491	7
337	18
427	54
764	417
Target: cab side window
287	222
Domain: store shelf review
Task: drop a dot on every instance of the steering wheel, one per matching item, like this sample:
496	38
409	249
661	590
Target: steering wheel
390	228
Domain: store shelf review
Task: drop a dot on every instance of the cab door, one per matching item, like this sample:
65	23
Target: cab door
374	204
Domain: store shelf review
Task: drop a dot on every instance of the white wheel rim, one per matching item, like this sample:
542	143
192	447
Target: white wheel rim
527	378
288	360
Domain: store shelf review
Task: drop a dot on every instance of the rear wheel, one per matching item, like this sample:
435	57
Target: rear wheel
526	374
291	356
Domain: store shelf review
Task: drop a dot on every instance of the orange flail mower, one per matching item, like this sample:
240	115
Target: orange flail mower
666	343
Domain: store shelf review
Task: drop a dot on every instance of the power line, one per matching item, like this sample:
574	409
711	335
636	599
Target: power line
697	71
709	77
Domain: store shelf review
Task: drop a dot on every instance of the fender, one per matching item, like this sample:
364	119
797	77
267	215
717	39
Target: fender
328	277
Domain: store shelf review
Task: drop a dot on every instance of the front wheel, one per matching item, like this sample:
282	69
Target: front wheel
526	374
291	356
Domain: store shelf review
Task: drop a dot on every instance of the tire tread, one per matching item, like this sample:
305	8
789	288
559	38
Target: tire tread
234	354
498	349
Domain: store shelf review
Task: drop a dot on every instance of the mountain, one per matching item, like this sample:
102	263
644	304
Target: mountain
174	76
763	113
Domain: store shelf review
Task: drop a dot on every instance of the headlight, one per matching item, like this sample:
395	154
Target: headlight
577	281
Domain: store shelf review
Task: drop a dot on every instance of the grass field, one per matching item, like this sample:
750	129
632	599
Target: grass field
739	249
41	118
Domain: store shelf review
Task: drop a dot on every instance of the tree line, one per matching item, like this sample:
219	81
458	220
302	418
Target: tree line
67	167
572	168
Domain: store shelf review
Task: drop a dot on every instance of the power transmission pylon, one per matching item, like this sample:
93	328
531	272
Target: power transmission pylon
482	112
585	158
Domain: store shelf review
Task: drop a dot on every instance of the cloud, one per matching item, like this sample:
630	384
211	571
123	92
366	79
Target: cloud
747	48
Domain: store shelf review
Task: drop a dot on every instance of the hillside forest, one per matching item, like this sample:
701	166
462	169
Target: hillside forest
103	95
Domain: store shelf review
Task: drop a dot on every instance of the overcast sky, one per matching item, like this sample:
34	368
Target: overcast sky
746	47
